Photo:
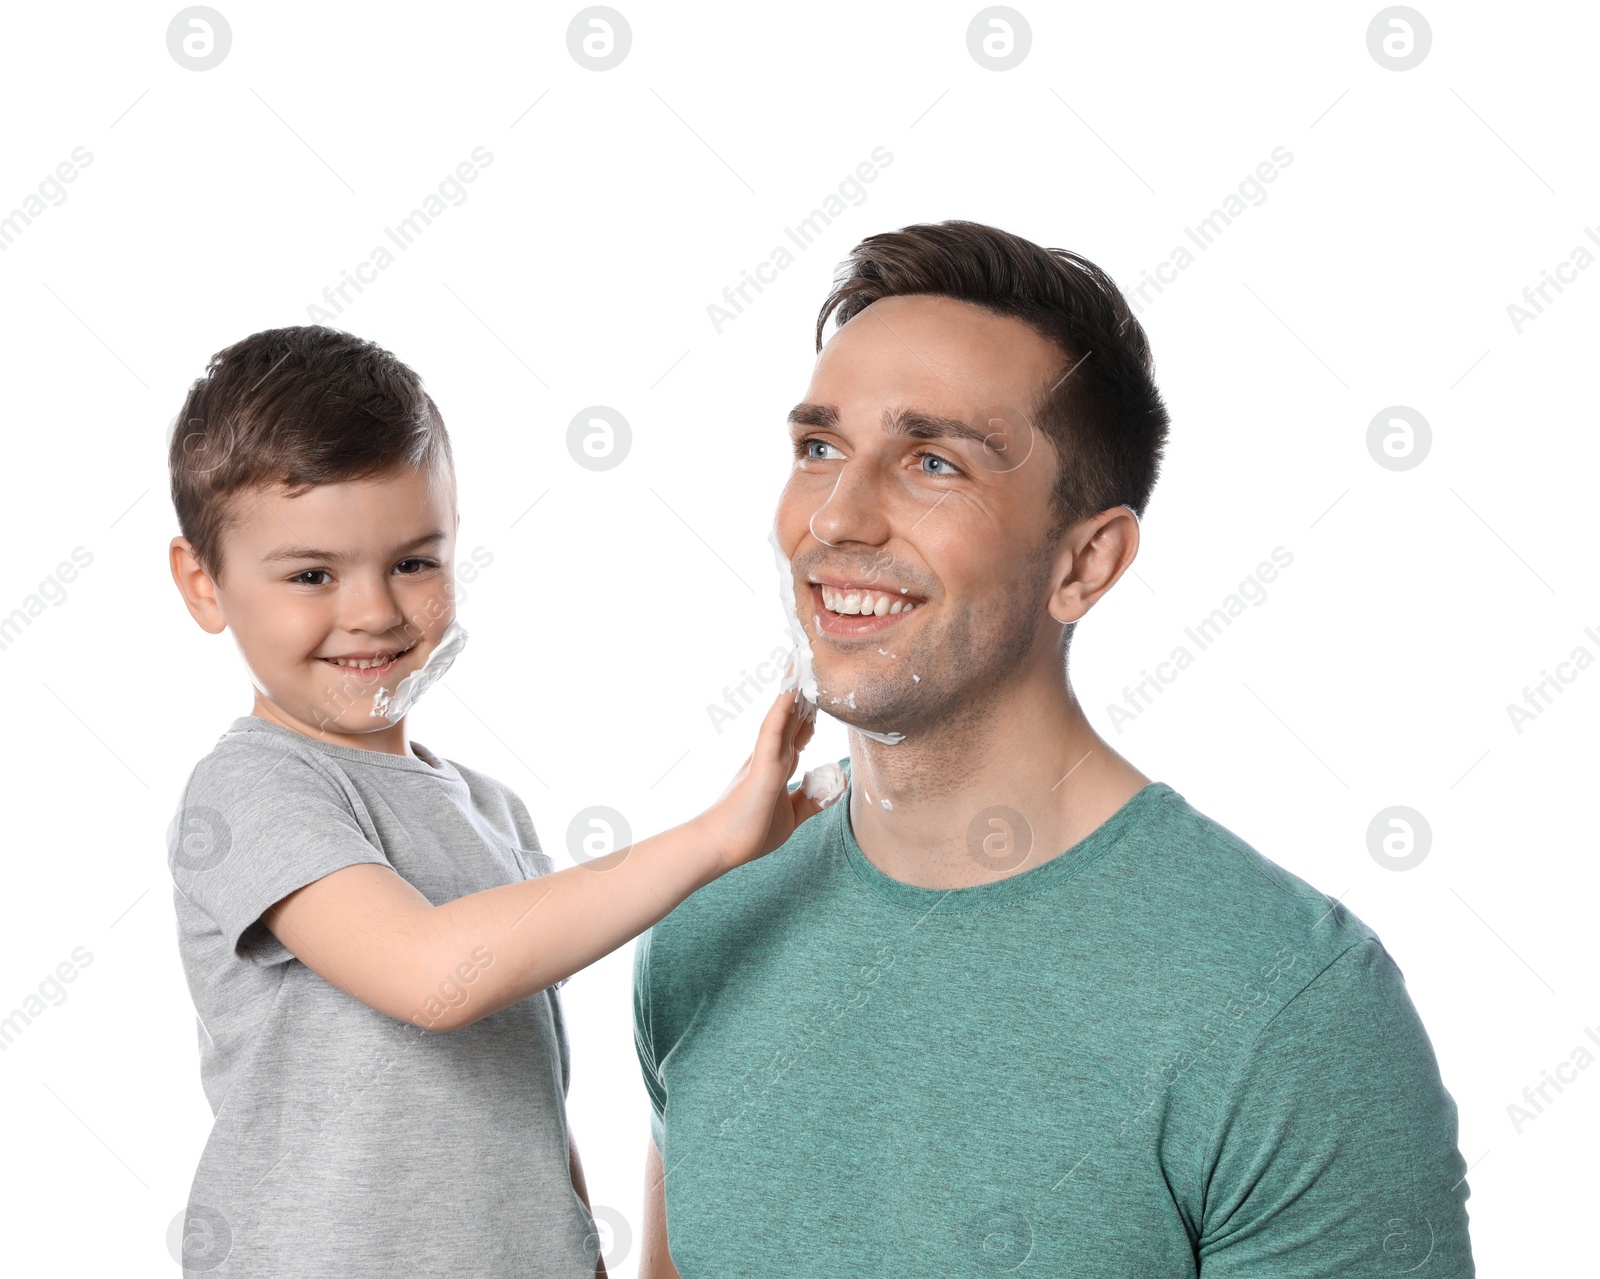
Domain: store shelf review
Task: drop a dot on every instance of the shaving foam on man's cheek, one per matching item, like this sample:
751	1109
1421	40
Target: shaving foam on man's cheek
803	676
392	706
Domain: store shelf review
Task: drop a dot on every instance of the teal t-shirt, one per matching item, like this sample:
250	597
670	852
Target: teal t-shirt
1155	1055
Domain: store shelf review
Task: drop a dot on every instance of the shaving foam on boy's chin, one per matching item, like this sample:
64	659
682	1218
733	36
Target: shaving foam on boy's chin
392	706
804	675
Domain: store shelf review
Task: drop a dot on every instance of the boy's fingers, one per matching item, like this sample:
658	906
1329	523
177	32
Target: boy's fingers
776	732
807	730
803	806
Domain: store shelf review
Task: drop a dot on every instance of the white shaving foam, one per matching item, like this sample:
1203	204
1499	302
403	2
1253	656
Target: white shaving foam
393	706
803	676
825	784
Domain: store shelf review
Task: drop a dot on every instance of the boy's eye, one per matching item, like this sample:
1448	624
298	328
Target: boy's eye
408	567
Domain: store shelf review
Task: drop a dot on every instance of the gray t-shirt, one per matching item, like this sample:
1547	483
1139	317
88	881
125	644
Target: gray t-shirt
345	1142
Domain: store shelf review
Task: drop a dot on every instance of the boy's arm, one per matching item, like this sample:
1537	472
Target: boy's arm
367	931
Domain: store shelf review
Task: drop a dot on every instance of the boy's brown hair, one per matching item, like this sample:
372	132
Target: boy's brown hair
295	407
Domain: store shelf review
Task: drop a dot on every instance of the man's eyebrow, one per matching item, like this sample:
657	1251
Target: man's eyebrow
822	416
340	557
930	426
910	422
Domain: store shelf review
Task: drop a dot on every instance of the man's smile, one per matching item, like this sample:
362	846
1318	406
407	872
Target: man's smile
844	607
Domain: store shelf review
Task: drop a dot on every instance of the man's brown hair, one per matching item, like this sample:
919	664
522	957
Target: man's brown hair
295	407
1104	415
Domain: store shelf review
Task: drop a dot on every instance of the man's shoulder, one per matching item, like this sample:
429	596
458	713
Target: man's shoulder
753	900
1225	904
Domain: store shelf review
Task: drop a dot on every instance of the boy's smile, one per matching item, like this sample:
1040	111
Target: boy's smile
336	595
363	666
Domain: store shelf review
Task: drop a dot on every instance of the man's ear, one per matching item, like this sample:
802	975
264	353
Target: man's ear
199	591
1093	554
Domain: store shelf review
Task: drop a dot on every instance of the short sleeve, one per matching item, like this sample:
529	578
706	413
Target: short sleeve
255	824
644	1040
1336	1155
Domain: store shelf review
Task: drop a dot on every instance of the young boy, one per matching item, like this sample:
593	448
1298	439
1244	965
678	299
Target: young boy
371	933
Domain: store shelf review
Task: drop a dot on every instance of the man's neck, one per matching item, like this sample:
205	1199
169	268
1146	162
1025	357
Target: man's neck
993	792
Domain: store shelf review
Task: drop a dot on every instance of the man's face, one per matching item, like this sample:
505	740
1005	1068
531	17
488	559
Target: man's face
917	512
345	573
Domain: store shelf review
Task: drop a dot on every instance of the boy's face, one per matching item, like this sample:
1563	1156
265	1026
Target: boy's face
359	571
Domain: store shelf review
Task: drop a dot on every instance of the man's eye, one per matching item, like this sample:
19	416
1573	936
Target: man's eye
949	467
807	449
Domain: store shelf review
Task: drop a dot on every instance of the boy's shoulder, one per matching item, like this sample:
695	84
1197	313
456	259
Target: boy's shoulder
253	776
255	754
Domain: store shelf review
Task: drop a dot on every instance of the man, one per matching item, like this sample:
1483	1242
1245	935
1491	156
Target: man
1012	1006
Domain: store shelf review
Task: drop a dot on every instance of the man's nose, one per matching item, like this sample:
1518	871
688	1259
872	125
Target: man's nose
856	510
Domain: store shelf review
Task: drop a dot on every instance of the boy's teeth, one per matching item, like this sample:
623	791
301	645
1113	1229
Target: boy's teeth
864	603
364	663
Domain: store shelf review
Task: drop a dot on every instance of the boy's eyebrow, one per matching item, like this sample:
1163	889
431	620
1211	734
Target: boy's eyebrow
339	557
910	422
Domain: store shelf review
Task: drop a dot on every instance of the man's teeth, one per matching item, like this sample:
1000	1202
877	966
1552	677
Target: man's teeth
864	603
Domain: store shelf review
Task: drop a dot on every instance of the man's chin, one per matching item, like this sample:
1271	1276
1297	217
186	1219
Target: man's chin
880	724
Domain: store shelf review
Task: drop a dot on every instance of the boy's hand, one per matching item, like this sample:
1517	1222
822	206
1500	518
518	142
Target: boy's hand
758	812
370	932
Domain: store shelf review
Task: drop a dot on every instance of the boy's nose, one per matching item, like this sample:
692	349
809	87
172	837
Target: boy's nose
369	607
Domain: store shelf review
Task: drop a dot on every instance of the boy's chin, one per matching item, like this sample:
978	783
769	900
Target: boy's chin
351	720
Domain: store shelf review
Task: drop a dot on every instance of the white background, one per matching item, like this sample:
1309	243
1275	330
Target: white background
1377	672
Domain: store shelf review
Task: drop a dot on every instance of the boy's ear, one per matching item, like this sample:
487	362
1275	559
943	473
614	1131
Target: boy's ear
195	585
